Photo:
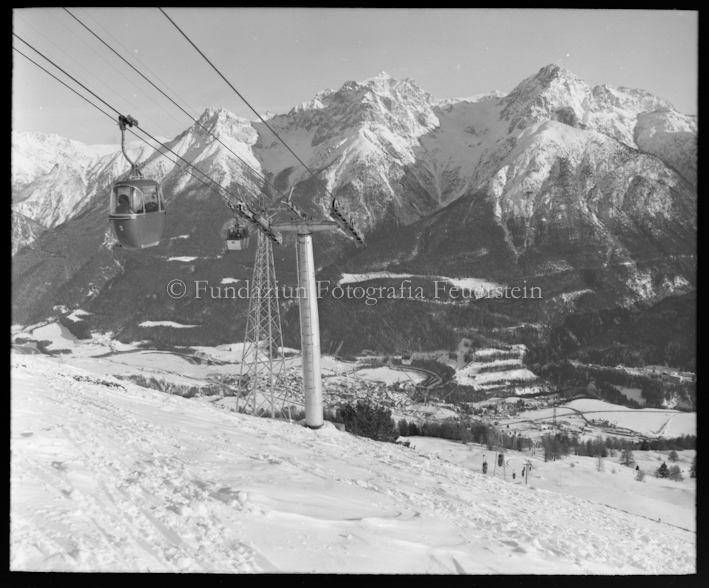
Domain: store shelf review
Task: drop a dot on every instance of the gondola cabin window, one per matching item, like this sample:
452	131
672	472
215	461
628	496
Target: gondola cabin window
138	201
122	200
150	196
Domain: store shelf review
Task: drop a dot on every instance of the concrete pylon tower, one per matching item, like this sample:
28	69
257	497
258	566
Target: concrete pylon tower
304	227
309	331
262	385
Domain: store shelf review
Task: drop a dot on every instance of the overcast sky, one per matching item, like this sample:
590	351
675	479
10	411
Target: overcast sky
278	58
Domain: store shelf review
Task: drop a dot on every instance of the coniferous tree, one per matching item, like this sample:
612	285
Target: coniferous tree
663	471
693	468
492	437
369	420
675	474
626	457
599	447
464	432
403	428
673	457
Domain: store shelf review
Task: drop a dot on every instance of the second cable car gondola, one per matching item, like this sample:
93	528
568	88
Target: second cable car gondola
137	211
237	237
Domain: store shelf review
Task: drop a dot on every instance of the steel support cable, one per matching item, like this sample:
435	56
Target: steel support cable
254	171
255	112
104	112
348	225
137	59
59	49
228	202
246	102
60	81
390	313
65	73
115	110
113	67
333	263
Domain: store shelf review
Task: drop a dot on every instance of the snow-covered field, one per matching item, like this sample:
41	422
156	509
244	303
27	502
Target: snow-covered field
109	476
574	475
58	334
633	393
170	368
388	375
165	324
432	411
77	314
646	421
233	352
465	378
470	374
518	349
354	278
651	422
465	283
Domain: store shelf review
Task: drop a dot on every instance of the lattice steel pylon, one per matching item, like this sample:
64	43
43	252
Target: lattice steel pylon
262	381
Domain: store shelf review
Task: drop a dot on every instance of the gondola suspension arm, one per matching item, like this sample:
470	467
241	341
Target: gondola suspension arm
123	123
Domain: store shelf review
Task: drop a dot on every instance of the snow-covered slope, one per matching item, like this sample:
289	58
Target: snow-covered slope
25	231
672	137
615	485
52	176
108	476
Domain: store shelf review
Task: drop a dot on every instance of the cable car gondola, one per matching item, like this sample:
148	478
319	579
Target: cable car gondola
237	238
137	211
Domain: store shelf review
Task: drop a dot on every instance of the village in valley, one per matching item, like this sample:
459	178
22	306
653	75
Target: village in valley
416	387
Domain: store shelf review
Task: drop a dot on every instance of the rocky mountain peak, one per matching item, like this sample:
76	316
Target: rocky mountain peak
218	116
551	72
382	82
314	104
221	123
538	97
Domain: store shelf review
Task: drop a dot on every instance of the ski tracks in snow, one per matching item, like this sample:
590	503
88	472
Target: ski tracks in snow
137	480
120	498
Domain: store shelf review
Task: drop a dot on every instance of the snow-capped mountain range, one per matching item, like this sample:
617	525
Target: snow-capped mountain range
522	184
379	137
